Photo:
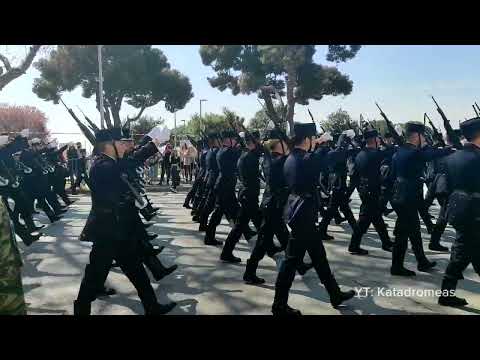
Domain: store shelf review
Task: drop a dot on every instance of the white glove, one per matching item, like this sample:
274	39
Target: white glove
326	137
349	133
399	129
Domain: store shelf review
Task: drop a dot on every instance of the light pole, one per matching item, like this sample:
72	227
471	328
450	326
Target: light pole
100	86
201	120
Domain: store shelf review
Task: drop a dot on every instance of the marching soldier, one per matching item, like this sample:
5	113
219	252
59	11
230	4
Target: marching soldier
207	203
301	170
367	177
463	211
249	175
407	199
225	200
114	229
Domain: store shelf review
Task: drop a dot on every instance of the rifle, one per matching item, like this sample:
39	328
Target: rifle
476	111
313	120
436	133
398	139
90	122
478	107
192	141
448	128
82	126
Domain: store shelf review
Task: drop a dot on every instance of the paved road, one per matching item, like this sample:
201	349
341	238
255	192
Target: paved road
203	285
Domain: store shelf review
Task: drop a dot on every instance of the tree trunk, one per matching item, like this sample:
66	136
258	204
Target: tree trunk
115	105
14	72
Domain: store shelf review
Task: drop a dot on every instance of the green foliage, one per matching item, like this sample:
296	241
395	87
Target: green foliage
245	68
209	122
144	124
339	121
260	120
290	69
138	74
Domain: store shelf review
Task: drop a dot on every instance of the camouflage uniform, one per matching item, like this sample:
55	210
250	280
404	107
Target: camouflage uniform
12	301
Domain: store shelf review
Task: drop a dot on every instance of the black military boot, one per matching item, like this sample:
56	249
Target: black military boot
212	242
397	268
31	224
449	286
81	309
425	265
160	309
250	277
337	296
29	238
354	247
52	216
227	256
304	267
284	310
357	250
435	241
156	267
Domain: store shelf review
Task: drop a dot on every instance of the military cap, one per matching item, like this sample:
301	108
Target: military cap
369	133
414	127
228	134
387	135
274	134
252	135
104	135
212	135
470	127
304	130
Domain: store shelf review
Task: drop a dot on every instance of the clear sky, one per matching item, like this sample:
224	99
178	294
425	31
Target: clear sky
400	78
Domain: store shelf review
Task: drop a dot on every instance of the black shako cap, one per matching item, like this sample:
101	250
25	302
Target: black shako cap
303	130
369	133
104	135
274	134
470	127
229	134
414	127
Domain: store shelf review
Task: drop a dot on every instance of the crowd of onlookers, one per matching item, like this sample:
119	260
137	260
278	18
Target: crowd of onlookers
171	164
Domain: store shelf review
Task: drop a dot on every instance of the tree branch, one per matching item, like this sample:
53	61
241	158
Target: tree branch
14	72
142	109
5	62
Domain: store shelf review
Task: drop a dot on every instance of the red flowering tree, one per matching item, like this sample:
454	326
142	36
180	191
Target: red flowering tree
14	119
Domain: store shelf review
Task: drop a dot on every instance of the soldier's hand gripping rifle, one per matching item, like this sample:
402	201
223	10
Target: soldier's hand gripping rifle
436	134
398	139
452	135
83	128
